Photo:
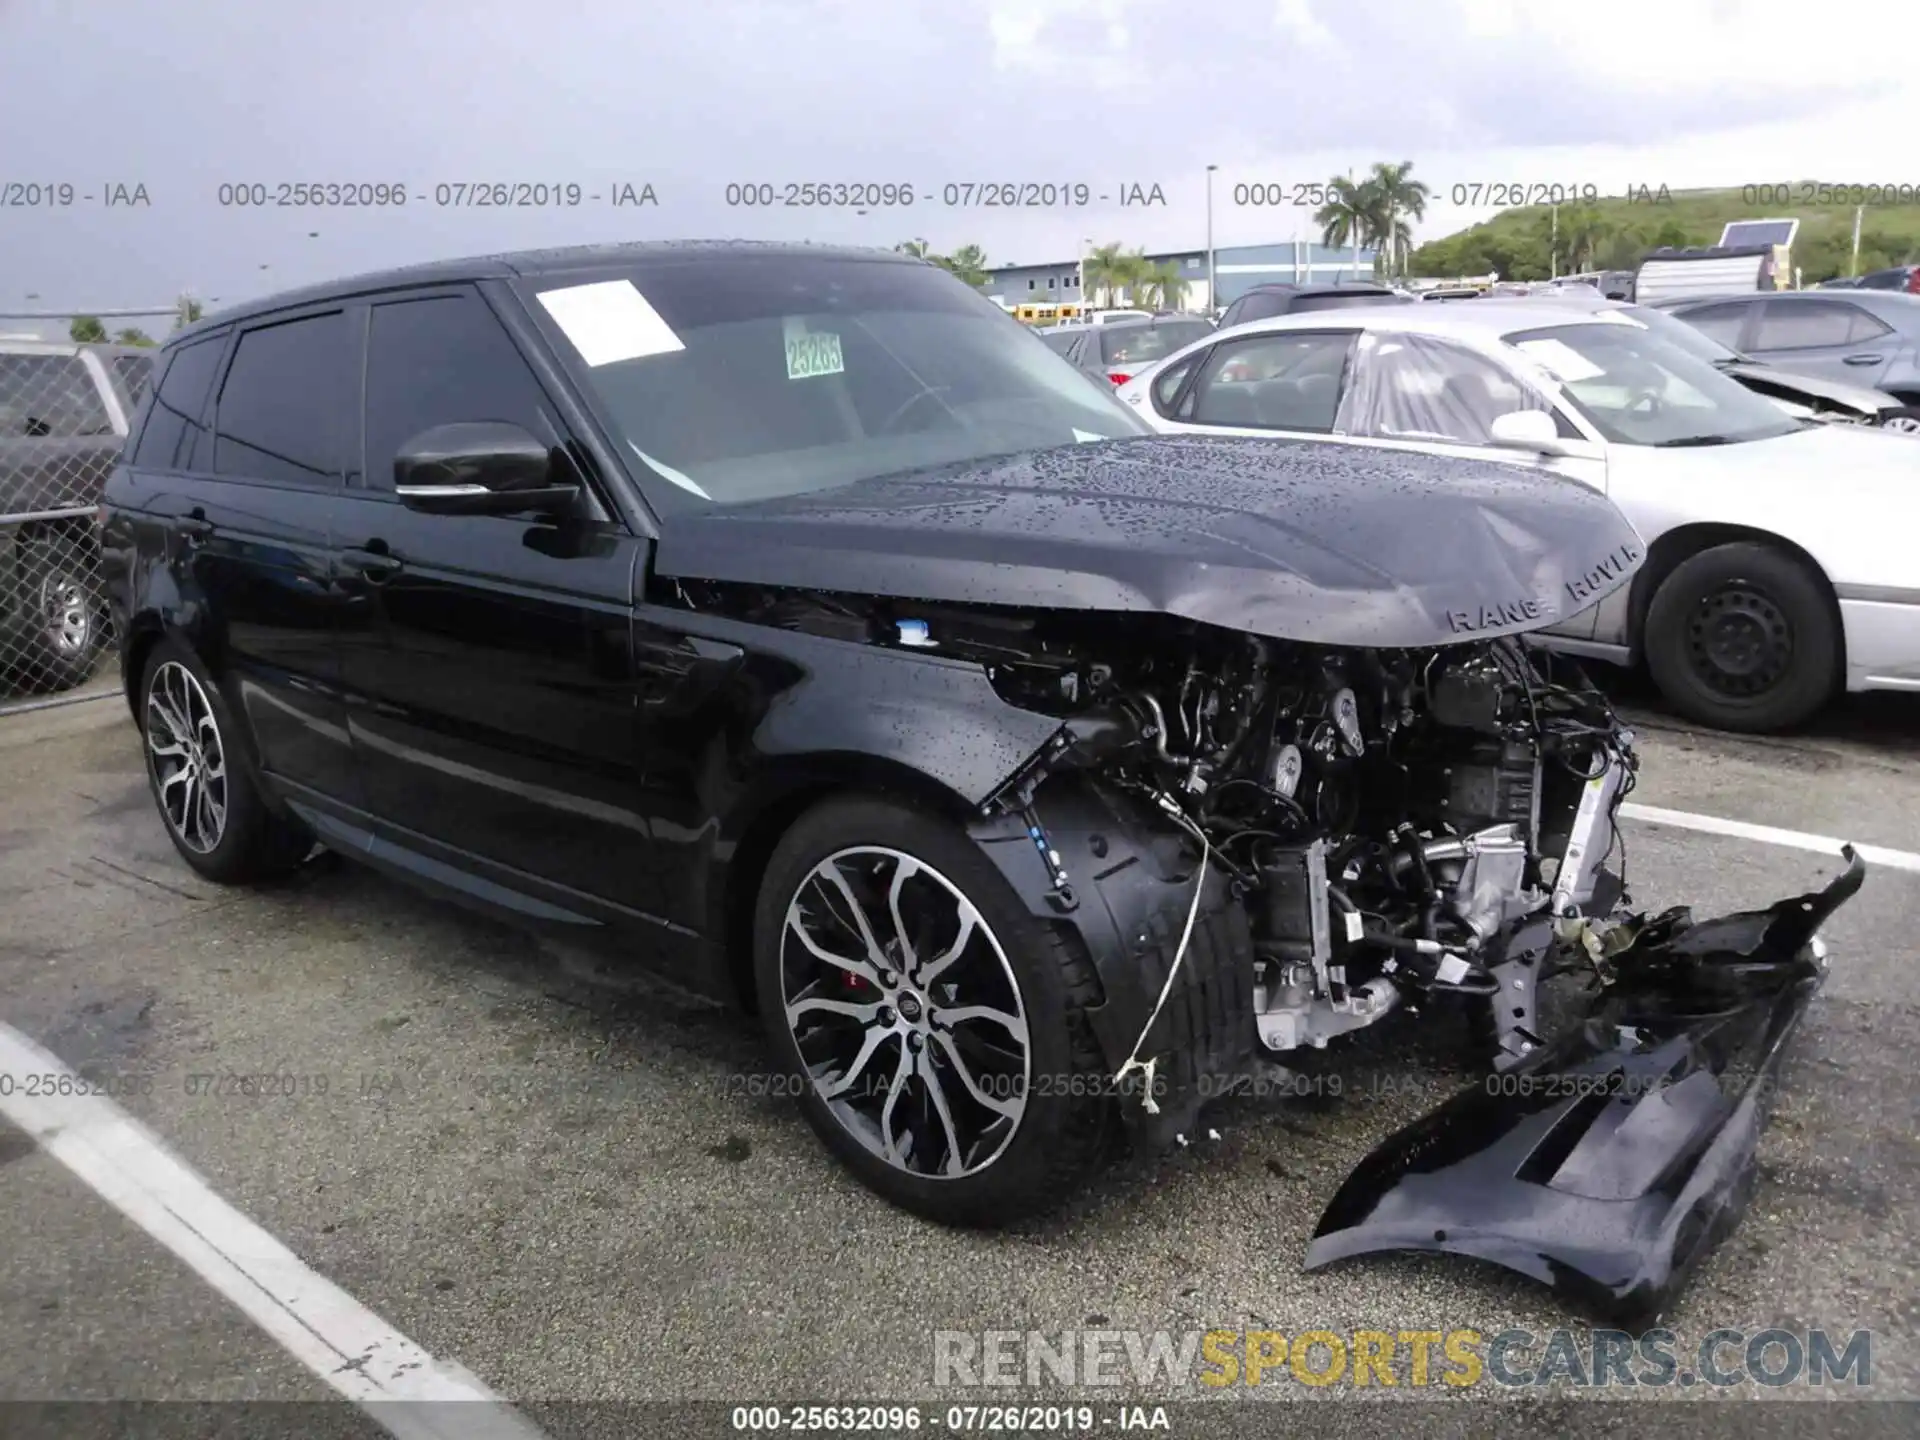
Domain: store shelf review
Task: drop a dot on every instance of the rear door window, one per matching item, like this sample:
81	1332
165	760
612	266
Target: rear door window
1805	325
1722	322
174	437
285	410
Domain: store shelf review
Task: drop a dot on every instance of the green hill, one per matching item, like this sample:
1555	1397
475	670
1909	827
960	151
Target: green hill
1614	232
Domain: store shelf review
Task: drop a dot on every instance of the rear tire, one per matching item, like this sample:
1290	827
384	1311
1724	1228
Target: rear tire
202	781
1744	637
912	1049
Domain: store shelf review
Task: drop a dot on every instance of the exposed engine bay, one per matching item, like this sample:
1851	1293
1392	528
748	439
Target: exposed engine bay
1388	817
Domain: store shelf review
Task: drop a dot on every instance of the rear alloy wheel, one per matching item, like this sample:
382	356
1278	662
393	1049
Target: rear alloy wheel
1743	637
933	1025
205	789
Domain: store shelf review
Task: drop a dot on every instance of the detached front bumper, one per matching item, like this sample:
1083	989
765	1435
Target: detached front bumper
1611	1161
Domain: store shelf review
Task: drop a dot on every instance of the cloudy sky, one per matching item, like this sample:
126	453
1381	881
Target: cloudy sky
183	97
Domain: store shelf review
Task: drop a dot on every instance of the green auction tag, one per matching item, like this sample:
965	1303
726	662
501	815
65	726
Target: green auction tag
811	353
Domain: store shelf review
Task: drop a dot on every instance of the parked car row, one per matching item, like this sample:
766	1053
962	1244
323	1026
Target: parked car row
1779	567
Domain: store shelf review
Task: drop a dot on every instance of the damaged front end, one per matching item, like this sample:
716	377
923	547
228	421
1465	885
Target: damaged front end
1268	846
1609	1163
1265	845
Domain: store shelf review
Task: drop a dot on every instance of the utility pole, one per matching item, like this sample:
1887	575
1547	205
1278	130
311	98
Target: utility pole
1213	294
1853	265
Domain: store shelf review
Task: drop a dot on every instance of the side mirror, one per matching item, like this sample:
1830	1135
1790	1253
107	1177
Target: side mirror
484	467
1532	430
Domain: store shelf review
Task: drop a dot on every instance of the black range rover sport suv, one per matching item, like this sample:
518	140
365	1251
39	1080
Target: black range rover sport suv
792	620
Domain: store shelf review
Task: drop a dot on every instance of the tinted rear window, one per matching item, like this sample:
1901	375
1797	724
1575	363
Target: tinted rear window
1142	344
173	431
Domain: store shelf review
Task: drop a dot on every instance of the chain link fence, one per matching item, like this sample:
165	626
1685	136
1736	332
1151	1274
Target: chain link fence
65	409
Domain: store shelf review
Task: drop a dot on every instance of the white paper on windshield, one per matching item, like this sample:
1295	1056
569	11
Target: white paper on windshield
609	321
685	482
811	352
1560	360
1083	437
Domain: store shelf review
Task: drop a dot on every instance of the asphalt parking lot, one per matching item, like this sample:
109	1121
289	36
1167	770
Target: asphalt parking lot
557	1176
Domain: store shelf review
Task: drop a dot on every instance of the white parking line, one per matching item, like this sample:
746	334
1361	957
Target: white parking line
1769	835
403	1388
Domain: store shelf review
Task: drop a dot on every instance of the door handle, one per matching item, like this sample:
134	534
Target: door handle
373	564
194	527
1862	360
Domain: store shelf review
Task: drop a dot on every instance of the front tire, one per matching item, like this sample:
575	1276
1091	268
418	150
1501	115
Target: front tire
934	1029
205	788
1744	637
1902	421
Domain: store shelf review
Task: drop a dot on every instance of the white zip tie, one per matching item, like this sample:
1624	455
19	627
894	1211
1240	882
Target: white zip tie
1179	956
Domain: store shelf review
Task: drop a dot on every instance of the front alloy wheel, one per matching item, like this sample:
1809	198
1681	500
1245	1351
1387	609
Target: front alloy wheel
188	760
933	1026
905	1011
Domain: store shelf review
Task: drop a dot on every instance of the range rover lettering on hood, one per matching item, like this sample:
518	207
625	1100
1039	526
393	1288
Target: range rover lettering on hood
1606	576
1294	540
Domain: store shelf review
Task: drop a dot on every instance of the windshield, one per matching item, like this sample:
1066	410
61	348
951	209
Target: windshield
740	379
1695	342
1639	388
1141	344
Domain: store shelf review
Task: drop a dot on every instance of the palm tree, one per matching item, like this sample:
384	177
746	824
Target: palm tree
1397	201
1101	272
969	264
86	330
919	249
1582	232
186	312
1164	286
1349	216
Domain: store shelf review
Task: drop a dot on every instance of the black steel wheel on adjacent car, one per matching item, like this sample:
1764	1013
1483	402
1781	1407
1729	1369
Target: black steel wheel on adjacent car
202	782
1744	637
934	1027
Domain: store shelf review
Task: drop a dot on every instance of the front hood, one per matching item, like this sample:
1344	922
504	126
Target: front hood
1327	544
1793	385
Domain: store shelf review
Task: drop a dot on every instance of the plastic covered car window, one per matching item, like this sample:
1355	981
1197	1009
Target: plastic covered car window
1413	387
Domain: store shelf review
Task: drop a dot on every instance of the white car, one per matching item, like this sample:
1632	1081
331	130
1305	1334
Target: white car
1782	559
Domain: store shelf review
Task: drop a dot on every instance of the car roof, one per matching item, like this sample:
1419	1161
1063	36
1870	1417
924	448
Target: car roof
1314	287
1901	303
519	263
1486	320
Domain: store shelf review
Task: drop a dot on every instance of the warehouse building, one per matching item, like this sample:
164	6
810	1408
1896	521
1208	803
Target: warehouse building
1238	268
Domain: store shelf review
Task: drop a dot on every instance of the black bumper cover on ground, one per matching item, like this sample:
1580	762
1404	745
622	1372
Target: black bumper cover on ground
1616	1158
